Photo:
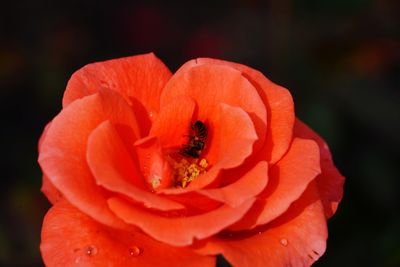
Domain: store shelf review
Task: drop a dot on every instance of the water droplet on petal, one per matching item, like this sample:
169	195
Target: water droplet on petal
135	251
77	259
284	242
91	250
152	115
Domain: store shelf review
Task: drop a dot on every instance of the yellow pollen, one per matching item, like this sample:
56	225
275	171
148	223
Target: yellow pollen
203	163
155	181
185	171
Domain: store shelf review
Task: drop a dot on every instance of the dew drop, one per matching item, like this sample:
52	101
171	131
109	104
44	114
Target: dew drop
91	250
135	251
77	259
284	242
152	115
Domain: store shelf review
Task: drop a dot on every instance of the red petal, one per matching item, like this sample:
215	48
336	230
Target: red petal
113	168
43	136
63	151
233	136
179	231
71	238
230	142
248	186
210	85
287	181
278	102
140	79
173	122
153	164
297	238
330	181
52	194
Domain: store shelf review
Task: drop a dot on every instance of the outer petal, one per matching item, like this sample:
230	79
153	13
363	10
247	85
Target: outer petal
140	79
297	238
88	243
210	85
287	181
278	102
52	194
63	151
114	169
330	181
179	231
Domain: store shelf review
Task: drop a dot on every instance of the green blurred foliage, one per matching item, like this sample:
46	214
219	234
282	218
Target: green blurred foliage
340	59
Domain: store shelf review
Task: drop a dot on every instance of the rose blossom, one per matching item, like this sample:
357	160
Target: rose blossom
148	168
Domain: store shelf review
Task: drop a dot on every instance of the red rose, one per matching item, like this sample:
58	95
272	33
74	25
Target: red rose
146	168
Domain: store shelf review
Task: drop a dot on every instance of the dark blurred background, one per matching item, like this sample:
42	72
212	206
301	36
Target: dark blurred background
340	59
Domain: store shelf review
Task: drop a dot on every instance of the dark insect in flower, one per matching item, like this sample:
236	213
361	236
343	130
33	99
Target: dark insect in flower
196	142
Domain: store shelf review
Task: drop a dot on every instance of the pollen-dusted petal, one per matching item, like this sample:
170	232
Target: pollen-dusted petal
71	238
210	85
330	181
250	185
154	166
173	122
297	238
62	154
288	179
139	79
114	169
179	231
278	102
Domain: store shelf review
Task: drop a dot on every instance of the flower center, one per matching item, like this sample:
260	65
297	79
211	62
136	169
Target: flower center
185	172
175	167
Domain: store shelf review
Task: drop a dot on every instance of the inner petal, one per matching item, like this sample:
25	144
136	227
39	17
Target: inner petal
211	85
114	169
173	121
187	152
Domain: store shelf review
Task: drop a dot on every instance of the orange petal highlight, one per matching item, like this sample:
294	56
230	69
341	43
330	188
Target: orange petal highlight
287	181
278	102
178	231
114	169
139	79
330	182
71	238
210	85
297	238
63	151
